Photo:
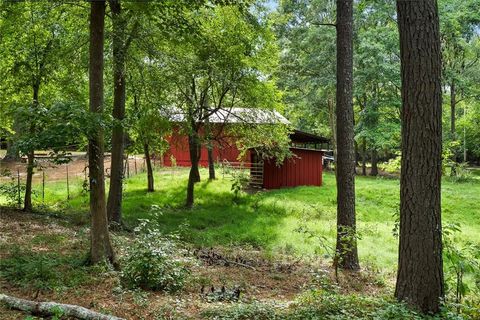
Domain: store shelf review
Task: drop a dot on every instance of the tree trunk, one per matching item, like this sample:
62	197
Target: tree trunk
101	247
211	160
420	265
364	157
346	248
114	204
211	163
197	167
148	161
374	171
27	203
193	177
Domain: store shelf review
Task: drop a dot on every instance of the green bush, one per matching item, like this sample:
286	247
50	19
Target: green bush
12	191
393	165
151	262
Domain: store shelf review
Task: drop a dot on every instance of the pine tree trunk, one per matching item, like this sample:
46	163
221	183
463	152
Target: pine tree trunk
101	247
374	171
346	248
420	265
148	161
114	204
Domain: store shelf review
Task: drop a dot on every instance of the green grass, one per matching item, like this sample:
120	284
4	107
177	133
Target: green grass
269	220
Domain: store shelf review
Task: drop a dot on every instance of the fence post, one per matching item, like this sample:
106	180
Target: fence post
18	189
135	161
68	186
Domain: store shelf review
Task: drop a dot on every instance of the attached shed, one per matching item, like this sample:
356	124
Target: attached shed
303	169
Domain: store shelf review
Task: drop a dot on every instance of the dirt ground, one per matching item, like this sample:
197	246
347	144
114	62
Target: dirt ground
78	167
258	278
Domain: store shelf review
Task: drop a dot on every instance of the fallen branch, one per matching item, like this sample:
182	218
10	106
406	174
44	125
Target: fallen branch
51	308
239	264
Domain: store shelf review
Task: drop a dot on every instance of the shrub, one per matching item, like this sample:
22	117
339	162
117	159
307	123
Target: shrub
12	190
151	262
393	165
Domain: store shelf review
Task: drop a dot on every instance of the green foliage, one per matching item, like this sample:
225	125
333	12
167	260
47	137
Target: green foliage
152	262
12	191
42	271
316	304
240	179
393	165
461	261
242	311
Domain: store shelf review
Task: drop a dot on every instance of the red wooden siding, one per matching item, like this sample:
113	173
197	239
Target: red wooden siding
303	170
179	150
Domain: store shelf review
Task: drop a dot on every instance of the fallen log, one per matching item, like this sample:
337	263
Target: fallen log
52	308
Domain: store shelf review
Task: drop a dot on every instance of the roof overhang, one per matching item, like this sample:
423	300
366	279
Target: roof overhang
304	137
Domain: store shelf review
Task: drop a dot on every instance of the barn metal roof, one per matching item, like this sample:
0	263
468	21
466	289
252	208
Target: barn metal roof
236	115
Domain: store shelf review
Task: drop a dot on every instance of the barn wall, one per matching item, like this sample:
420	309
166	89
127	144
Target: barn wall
303	170
179	150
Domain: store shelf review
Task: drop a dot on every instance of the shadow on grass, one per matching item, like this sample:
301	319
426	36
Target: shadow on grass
216	218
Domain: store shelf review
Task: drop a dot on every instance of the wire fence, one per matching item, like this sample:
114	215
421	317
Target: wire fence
65	177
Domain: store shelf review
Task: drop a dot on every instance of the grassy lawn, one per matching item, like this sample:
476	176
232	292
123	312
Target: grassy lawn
271	220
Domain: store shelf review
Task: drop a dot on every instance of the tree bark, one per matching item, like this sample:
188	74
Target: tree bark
420	265
194	175
346	248
148	161
27	202
374	171
211	162
101	247
114	204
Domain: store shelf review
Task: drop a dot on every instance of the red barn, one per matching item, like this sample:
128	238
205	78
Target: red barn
304	168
